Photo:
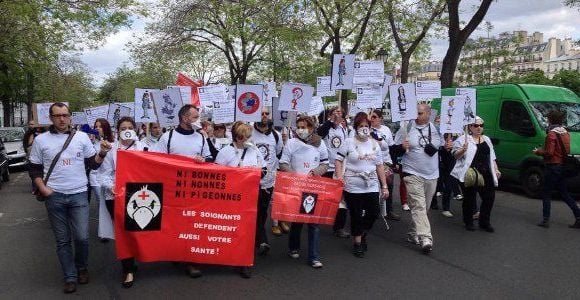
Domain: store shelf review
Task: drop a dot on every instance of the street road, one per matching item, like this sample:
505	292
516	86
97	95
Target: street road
518	261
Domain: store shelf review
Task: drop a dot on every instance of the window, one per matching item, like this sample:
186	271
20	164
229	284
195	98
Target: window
516	119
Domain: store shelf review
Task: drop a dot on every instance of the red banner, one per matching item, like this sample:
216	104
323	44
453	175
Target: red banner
184	80
305	199
170	208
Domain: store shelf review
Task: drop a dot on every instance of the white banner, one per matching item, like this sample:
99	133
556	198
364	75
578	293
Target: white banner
451	120
223	112
296	97
98	112
368	73
428	90
403	102
210	94
323	87
167	105
144	108
369	97
469	112
342	71
249	102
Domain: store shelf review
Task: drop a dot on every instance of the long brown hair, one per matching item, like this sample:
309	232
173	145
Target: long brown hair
107	132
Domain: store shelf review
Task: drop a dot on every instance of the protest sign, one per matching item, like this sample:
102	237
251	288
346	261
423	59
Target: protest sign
451	120
41	113
369	97
368	73
282	118
116	112
184	80
79	118
269	92
469	111
171	208
167	105
428	90
185	91
210	94
316	106
323	87
305	199
403	102
98	112
295	97
249	102
144	110
342	72
223	111
387	79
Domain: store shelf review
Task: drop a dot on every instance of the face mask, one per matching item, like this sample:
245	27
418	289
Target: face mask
196	125
363	131
128	134
303	133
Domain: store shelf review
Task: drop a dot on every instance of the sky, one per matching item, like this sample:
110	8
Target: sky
547	16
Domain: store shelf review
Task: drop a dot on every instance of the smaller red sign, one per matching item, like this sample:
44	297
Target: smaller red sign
248	103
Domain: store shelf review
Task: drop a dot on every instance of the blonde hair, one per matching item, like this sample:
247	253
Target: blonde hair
241	129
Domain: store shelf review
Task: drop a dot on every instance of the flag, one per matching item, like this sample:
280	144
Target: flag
184	80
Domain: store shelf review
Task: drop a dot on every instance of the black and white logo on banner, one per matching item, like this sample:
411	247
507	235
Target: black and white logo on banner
143	205
308	203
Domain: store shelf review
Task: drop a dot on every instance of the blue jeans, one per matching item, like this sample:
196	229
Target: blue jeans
313	240
554	180
69	217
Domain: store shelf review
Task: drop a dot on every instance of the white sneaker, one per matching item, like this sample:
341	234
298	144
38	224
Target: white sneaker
406	207
438	194
447	213
458	197
294	254
316	264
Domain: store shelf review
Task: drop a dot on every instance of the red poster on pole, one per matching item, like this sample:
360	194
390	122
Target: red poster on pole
171	208
305	199
184	80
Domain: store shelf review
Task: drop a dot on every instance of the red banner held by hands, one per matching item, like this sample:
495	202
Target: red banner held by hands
184	80
305	199
171	208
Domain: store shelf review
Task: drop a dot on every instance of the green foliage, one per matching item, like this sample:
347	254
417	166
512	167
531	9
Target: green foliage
568	79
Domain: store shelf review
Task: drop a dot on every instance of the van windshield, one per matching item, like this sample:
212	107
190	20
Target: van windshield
541	110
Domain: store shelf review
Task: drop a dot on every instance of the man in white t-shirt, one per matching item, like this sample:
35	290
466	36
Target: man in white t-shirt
155	133
419	141
65	192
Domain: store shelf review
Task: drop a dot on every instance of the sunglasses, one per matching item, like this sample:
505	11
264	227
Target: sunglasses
477	125
265	114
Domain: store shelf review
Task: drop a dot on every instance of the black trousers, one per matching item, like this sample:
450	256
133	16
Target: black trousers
487	194
264	197
340	220
128	264
364	210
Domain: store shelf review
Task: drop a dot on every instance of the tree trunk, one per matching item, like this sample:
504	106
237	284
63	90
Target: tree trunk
449	65
29	95
405	58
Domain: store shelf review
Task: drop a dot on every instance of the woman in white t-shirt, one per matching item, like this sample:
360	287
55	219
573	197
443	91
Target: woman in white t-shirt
105	134
363	169
305	154
127	141
242	154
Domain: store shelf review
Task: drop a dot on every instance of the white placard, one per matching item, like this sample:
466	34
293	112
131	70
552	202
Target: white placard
167	104
210	94
224	111
451	120
387	79
296	97
342	71
185	92
369	97
98	112
316	106
323	87
403	102
282	118
41	112
130	105
269	92
353	109
249	102
116	112
144	108
79	118
470	109
428	90
368	72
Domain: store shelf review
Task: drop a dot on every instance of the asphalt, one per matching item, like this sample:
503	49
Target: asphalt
518	261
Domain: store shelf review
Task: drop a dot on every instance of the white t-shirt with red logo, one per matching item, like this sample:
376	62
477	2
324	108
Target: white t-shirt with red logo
303	157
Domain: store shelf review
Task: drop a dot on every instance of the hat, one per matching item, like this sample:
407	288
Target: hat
88	130
478	120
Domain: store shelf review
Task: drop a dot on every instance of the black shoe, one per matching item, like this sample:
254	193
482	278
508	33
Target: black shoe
544	223
83	276
575	225
127	284
487	228
193	272
263	249
393	216
357	250
469	227
69	287
341	233
104	241
246	272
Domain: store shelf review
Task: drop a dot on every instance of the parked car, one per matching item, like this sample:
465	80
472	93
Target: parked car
12	138
4	161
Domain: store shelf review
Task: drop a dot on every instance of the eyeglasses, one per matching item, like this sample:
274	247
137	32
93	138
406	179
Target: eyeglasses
60	116
477	125
265	114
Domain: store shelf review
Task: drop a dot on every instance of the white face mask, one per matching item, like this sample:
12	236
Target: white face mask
128	134
196	125
363	131
303	133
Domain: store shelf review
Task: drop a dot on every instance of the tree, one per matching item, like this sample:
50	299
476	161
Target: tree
568	79
458	37
533	77
409	24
